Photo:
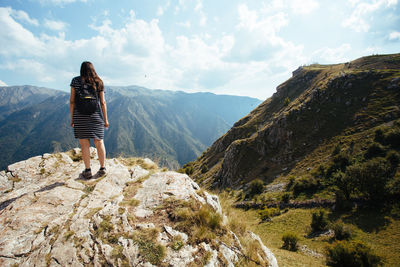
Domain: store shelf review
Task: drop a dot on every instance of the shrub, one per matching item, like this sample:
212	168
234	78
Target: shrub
371	177
285	198
286	101
393	158
204	169
339	163
345	183
351	254
290	241
305	185
374	150
341	203
290	183
342	232
336	150
267	213
392	138
256	187
319	221
379	136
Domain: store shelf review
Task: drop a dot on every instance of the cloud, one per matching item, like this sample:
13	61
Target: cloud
257	36
185	24
15	39
59	2
360	17
162	9
55	25
332	55
394	36
303	7
3	83
22	16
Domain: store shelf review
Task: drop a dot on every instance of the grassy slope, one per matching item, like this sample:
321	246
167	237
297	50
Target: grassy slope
378	230
353	131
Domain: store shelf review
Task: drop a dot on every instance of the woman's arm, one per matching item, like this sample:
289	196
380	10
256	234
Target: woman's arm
104	108
72	105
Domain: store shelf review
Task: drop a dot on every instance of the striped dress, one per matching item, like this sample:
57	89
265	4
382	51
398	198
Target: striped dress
87	126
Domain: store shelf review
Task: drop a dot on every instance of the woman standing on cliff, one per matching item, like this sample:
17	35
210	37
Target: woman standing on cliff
87	90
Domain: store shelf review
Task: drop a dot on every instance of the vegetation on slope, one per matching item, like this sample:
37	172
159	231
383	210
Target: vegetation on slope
328	138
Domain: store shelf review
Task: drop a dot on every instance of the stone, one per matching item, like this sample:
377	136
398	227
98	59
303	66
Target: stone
53	217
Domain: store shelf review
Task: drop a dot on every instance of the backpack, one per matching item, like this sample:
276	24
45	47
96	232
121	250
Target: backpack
86	99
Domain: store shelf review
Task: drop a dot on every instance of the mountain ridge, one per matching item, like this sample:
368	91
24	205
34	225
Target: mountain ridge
318	103
170	127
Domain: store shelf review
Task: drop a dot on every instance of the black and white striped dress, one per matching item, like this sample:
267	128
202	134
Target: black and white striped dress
87	126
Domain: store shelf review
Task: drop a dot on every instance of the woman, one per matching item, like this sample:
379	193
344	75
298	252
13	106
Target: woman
89	126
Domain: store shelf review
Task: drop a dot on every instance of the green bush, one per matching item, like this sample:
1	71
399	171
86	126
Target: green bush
305	185
341	202
319	221
379	136
345	183
204	169
268	213
370	178
374	150
285	198
342	232
393	158
336	150
351	254
290	241
339	163
286	101
392	138
256	187
290	183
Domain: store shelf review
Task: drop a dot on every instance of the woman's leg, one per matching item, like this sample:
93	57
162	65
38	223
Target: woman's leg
85	148
101	151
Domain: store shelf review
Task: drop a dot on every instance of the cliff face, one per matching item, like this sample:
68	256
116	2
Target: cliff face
317	104
137	215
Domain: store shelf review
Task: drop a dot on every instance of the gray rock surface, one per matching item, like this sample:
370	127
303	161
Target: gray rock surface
49	216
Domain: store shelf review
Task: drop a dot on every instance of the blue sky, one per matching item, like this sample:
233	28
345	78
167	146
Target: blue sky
221	46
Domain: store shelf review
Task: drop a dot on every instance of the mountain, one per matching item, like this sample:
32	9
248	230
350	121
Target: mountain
136	215
318	108
169	127
14	98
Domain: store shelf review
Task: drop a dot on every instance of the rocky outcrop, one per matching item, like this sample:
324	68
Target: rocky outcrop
136	215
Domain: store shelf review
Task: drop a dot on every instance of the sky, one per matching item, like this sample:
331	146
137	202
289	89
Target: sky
233	47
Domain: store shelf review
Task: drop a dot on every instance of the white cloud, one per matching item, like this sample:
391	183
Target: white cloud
303	6
22	16
162	9
59	2
332	55
3	83
394	36
55	25
362	13
185	24
15	39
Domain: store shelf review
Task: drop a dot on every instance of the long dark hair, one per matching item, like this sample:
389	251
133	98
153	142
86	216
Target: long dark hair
89	75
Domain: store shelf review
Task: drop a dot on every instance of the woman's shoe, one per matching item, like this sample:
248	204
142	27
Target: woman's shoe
101	172
87	174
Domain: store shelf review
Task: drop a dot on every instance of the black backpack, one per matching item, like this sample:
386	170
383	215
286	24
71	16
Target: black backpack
86	99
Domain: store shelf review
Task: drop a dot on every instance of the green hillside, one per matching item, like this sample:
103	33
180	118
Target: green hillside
329	139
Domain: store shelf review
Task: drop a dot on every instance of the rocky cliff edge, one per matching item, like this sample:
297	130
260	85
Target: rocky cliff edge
136	215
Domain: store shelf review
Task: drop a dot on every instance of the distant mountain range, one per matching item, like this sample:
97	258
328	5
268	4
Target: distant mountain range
169	127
